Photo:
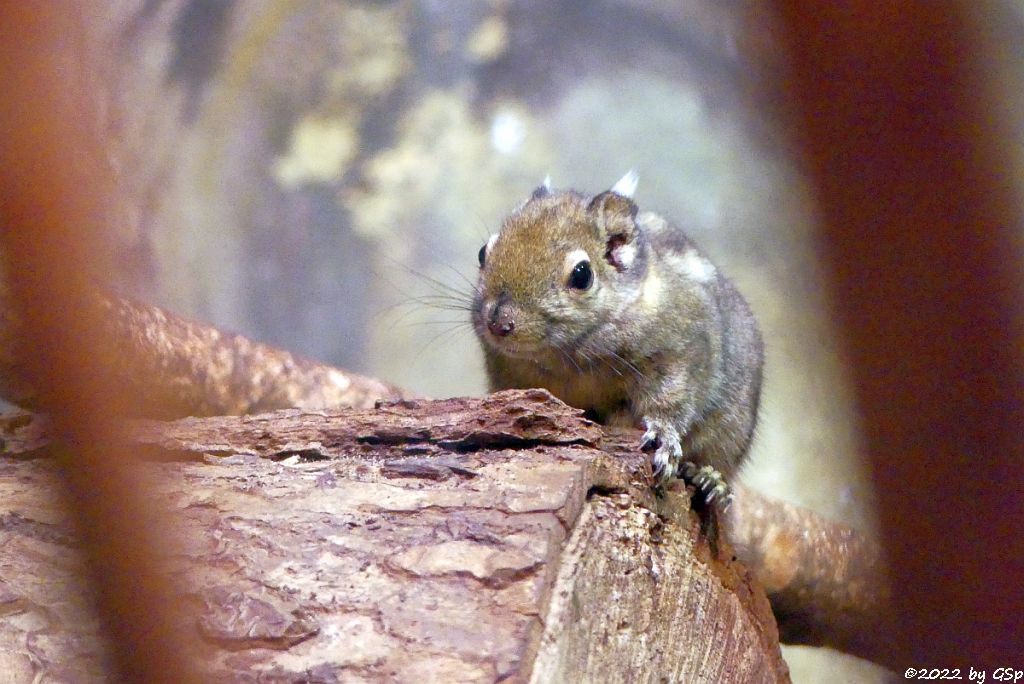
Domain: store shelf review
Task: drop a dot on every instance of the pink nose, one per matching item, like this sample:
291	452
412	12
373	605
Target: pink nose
500	322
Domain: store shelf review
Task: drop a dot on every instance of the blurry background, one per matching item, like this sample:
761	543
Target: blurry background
304	172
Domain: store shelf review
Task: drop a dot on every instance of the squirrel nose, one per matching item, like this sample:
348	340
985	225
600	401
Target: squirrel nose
500	322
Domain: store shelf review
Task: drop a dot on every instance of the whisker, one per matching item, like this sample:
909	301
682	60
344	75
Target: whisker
443	305
567	356
435	338
442	296
463	277
432	325
400	316
636	371
440	287
432	298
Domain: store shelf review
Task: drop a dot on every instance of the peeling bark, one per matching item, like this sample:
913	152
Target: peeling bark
488	539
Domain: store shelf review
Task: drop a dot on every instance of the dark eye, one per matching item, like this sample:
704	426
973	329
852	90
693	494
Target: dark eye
482	255
581	277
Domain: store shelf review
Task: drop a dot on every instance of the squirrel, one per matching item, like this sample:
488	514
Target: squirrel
617	312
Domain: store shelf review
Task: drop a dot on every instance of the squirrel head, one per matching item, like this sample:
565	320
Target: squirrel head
555	271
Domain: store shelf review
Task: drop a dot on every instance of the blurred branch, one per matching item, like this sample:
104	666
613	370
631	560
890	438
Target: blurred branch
175	367
827	582
51	185
921	236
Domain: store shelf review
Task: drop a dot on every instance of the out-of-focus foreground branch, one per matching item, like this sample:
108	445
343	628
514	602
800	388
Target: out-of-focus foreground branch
50	190
920	201
176	367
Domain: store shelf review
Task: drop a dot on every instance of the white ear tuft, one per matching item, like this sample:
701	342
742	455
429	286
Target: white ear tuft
626	185
547	183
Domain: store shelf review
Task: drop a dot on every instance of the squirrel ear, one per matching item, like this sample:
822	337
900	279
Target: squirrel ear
615	212
542	190
614	215
626	186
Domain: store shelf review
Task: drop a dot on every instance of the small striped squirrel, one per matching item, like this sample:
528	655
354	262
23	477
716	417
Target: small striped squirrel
617	312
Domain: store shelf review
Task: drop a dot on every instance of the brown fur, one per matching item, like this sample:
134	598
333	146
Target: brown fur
661	337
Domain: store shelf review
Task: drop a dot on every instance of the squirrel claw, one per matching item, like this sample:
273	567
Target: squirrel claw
663	439
710	483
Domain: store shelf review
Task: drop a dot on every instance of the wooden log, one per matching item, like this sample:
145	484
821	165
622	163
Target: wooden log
504	538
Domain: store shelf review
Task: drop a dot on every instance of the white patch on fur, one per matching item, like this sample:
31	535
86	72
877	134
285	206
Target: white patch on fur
694	266
650	295
547	183
625	254
651	222
571	259
490	244
626	185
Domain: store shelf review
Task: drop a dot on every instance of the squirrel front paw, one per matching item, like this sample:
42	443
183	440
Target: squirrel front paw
662	438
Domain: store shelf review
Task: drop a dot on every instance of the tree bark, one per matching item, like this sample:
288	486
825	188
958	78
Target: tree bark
504	538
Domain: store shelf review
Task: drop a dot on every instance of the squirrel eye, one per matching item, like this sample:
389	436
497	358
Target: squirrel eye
582	277
482	255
